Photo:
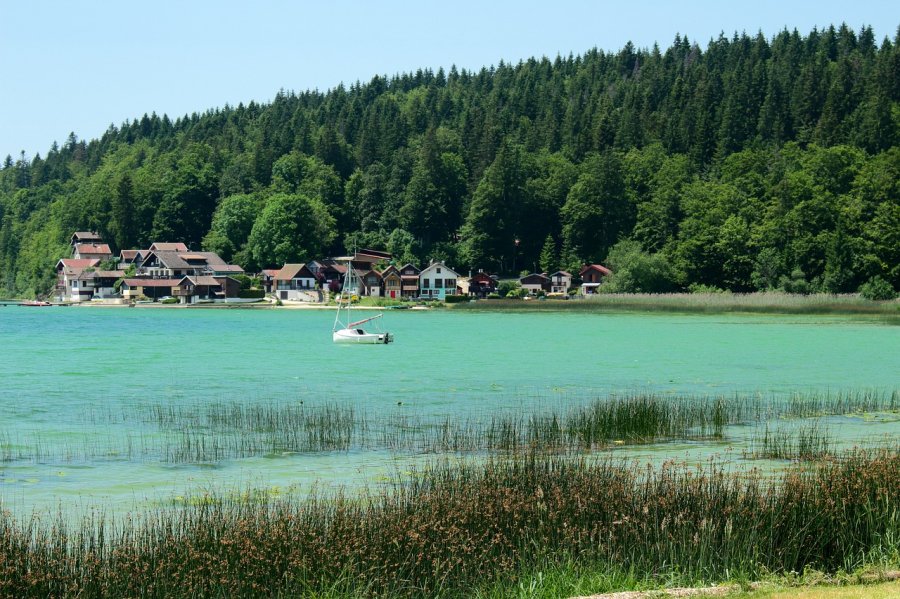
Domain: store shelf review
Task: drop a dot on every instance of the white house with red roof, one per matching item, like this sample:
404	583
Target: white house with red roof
295	282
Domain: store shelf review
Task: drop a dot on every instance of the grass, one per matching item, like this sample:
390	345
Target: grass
762	302
475	529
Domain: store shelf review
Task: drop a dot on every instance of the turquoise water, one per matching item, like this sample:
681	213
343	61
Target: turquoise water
76	380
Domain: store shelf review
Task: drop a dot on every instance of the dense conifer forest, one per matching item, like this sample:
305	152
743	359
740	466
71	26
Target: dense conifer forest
748	163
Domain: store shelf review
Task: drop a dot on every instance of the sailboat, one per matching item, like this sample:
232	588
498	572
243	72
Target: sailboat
346	330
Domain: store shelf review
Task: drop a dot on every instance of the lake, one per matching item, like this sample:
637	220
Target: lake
84	389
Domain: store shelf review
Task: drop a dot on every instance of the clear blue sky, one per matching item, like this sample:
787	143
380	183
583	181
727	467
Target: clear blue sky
80	65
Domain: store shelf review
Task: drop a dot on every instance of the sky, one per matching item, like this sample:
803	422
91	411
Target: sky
81	65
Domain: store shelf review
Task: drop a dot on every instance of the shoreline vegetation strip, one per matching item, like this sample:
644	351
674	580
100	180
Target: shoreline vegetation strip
455	529
204	432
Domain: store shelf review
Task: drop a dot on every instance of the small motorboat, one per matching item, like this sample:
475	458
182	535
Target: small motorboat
35	303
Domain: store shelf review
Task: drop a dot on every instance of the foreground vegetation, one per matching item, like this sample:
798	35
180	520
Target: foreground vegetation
745	163
454	530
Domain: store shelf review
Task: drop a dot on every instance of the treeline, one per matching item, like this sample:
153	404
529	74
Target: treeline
750	164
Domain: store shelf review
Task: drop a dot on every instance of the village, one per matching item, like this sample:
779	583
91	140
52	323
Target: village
172	273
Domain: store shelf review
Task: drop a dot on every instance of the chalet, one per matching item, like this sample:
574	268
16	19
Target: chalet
130	257
437	281
329	273
371	283
535	282
268	278
191	290
390	278
481	285
87	251
105	283
163	264
560	282
69	286
151	288
409	281
591	276
293	282
79	237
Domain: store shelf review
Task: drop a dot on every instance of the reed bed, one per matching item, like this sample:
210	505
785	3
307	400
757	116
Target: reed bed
763	302
452	529
223	430
809	441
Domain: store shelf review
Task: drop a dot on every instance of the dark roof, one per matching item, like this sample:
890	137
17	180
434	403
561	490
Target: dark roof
561	273
86	236
293	271
129	254
179	259
534	278
371	256
598	267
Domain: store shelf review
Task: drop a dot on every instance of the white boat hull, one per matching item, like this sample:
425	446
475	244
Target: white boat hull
358	336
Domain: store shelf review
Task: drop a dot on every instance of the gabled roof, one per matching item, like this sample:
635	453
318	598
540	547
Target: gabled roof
598	267
534	278
82	236
271	272
438	264
390	270
483	276
202	280
412	266
169	247
228	268
93	248
130	255
177	259
561	273
294	271
77	263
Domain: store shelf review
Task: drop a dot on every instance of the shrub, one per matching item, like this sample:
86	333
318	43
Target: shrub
245	281
252	293
169	300
877	289
456	299
493	296
505	287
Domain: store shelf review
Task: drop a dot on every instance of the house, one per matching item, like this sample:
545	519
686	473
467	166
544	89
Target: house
482	284
391	283
164	264
191	290
560	282
409	281
267	276
591	276
105	283
371	283
79	237
535	282
130	257
294	282
70	287
437	281
330	273
88	251
151	288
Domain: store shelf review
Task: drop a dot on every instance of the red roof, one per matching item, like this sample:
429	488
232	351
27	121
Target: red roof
93	248
78	262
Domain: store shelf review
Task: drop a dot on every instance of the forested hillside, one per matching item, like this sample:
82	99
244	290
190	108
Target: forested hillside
750	163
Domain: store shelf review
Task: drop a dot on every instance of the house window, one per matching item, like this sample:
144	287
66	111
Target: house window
438	270
425	283
450	283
